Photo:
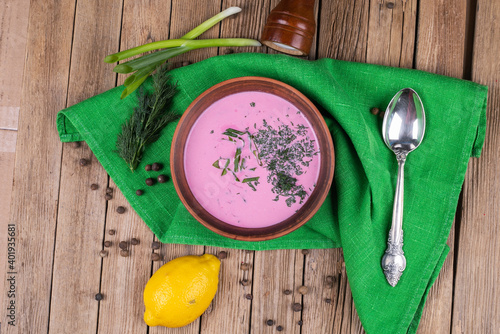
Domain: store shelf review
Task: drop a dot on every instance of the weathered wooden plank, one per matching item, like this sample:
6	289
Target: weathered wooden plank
476	308
38	162
322	277
13	35
230	309
441	37
81	214
391	33
274	272
441	49
13	30
337	37
124	278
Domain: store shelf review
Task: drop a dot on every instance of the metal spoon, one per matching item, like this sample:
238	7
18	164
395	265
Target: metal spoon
403	129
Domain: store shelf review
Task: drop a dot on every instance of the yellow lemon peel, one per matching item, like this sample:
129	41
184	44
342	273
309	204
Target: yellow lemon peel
181	290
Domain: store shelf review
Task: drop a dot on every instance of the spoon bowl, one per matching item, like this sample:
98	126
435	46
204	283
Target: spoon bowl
403	130
406	107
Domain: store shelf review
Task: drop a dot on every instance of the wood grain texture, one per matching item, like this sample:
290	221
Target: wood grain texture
441	37
437	313
440	49
13	35
337	37
476	308
274	272
38	161
391	33
124	277
230	309
81	214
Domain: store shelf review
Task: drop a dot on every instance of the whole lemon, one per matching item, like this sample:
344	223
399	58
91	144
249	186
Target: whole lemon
181	290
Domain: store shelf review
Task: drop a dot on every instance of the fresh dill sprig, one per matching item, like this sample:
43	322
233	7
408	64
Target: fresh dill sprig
148	119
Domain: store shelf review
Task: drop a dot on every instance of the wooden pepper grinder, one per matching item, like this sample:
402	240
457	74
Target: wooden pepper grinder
290	27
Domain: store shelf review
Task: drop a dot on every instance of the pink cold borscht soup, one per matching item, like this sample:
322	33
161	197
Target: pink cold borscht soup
252	159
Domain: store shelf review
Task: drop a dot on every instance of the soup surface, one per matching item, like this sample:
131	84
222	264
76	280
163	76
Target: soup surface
252	159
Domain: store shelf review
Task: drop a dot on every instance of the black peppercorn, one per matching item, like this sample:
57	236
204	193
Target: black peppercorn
245	282
108	243
111	232
94	186
305	251
109	190
124	253
156	167
108	197
155	245
120	210
103	253
287	292
150	181
99	296
162	178
84	162
123	245
296	307
300	323
249	296
147	168
375	110
390	5
155	257
139	192
222	255
328	301
270	322
134	241
279	328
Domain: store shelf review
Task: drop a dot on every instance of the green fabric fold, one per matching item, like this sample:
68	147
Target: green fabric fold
357	214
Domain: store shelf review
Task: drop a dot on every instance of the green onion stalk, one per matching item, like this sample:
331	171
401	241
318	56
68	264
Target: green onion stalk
142	67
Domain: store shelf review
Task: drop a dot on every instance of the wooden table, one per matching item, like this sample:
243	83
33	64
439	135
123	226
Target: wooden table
51	56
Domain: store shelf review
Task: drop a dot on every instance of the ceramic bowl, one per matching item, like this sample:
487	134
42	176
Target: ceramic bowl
298	100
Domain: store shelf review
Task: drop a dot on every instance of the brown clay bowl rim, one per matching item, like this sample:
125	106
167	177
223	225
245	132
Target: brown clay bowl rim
257	84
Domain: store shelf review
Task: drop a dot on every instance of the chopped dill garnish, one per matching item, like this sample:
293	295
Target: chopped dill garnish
285	150
252	104
147	120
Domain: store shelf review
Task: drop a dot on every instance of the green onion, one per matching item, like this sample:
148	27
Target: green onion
145	65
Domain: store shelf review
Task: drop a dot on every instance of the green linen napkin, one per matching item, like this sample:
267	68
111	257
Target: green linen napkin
357	214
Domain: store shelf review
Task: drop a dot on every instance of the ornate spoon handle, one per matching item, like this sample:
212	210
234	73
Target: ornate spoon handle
394	261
